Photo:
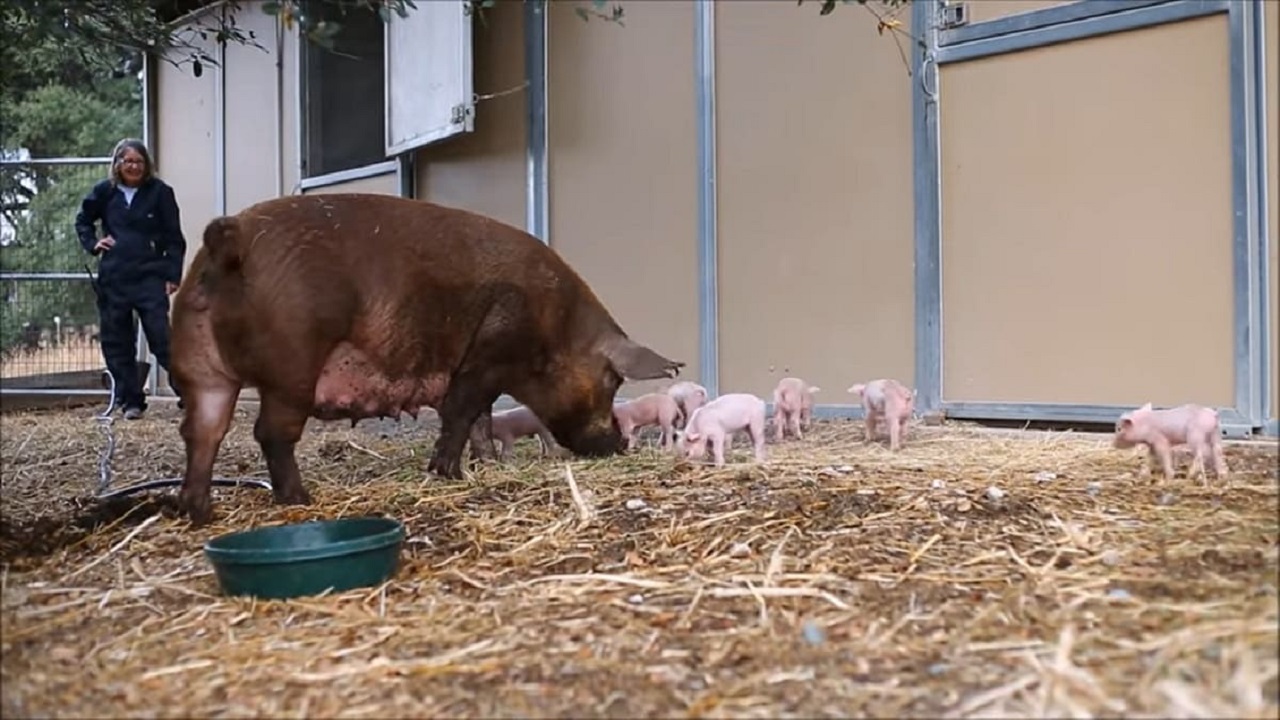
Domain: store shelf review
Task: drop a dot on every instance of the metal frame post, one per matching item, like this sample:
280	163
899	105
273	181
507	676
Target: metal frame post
537	201
708	270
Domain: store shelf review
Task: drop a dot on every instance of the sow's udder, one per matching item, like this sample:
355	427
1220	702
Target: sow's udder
352	386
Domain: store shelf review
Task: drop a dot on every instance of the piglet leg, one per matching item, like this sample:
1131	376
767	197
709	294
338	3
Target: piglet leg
481	436
1219	461
505	444
717	447
1197	469
1149	460
204	425
277	430
1161	449
895	433
755	429
547	444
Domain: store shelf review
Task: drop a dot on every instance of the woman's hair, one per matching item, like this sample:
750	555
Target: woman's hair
131	144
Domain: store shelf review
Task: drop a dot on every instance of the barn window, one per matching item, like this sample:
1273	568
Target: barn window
429	86
343	102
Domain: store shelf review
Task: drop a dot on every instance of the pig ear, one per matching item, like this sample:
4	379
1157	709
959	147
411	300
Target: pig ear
1146	408
634	361
857	389
1126	423
814	389
692	436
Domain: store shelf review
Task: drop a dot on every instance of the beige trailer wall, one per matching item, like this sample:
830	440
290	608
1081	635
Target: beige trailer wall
1073	225
484	171
983	10
1272	77
183	139
816	229
186	125
622	140
254	136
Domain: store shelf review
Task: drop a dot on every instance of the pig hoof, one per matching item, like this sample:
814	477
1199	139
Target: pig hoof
198	508
292	496
441	467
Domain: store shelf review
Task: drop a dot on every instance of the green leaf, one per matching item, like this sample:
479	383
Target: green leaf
271	7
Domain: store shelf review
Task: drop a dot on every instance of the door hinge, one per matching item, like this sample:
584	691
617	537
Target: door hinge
953	14
459	114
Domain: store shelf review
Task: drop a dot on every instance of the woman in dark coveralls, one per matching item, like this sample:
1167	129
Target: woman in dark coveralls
140	265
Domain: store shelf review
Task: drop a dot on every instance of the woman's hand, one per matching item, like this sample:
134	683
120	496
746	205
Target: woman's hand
106	243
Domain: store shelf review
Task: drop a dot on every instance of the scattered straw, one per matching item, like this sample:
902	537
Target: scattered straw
837	579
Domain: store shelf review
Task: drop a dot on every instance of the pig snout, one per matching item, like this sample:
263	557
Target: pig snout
595	439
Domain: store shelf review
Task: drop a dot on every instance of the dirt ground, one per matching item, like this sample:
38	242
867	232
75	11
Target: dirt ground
972	574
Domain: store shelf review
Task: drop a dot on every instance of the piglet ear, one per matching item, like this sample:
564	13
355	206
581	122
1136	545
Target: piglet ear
1146	408
1126	423
634	361
857	389
692	437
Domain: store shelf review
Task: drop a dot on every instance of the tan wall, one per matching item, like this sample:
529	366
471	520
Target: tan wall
623	168
816	229
1272	77
983	10
484	171
252	145
382	184
186	124
183	143
1073	225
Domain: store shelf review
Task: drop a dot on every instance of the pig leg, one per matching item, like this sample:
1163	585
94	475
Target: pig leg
547	442
779	422
204	425
504	441
1149	460
668	433
277	430
462	406
869	423
628	430
481	436
895	432
1161	450
1197	469
1219	461
795	424
755	429
717	448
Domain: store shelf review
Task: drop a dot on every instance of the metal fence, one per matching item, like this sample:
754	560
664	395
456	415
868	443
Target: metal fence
49	341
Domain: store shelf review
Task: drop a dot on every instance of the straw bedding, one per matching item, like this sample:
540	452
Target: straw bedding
838	579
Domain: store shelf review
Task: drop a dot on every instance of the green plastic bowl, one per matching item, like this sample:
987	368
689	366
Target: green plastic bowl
284	561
